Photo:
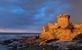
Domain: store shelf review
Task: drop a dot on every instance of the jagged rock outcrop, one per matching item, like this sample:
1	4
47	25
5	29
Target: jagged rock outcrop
61	30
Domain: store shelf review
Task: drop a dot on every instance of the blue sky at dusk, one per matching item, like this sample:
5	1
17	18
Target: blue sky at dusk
31	15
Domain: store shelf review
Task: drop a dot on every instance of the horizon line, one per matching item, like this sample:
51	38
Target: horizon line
18	31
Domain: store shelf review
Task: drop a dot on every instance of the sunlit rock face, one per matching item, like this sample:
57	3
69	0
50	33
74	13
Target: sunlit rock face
62	29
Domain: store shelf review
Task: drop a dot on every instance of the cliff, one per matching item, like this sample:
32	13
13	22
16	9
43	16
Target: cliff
61	30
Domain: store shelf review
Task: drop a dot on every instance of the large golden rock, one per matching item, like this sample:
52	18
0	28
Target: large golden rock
63	30
63	21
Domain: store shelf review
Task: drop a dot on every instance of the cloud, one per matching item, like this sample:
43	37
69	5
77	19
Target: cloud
31	14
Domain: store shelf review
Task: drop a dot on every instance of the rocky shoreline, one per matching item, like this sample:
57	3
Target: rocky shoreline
30	43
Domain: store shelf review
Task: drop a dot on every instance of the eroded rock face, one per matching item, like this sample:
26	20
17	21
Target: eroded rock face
63	30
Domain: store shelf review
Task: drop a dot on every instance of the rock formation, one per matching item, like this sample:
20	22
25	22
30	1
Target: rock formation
61	30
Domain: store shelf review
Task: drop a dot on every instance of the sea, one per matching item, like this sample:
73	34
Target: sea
7	36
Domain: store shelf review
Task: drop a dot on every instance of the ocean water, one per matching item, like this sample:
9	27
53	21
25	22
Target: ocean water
7	36
3	47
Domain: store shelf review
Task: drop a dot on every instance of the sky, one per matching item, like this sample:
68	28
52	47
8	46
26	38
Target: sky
32	15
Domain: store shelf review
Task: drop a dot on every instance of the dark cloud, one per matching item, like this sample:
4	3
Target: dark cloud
33	14
76	13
